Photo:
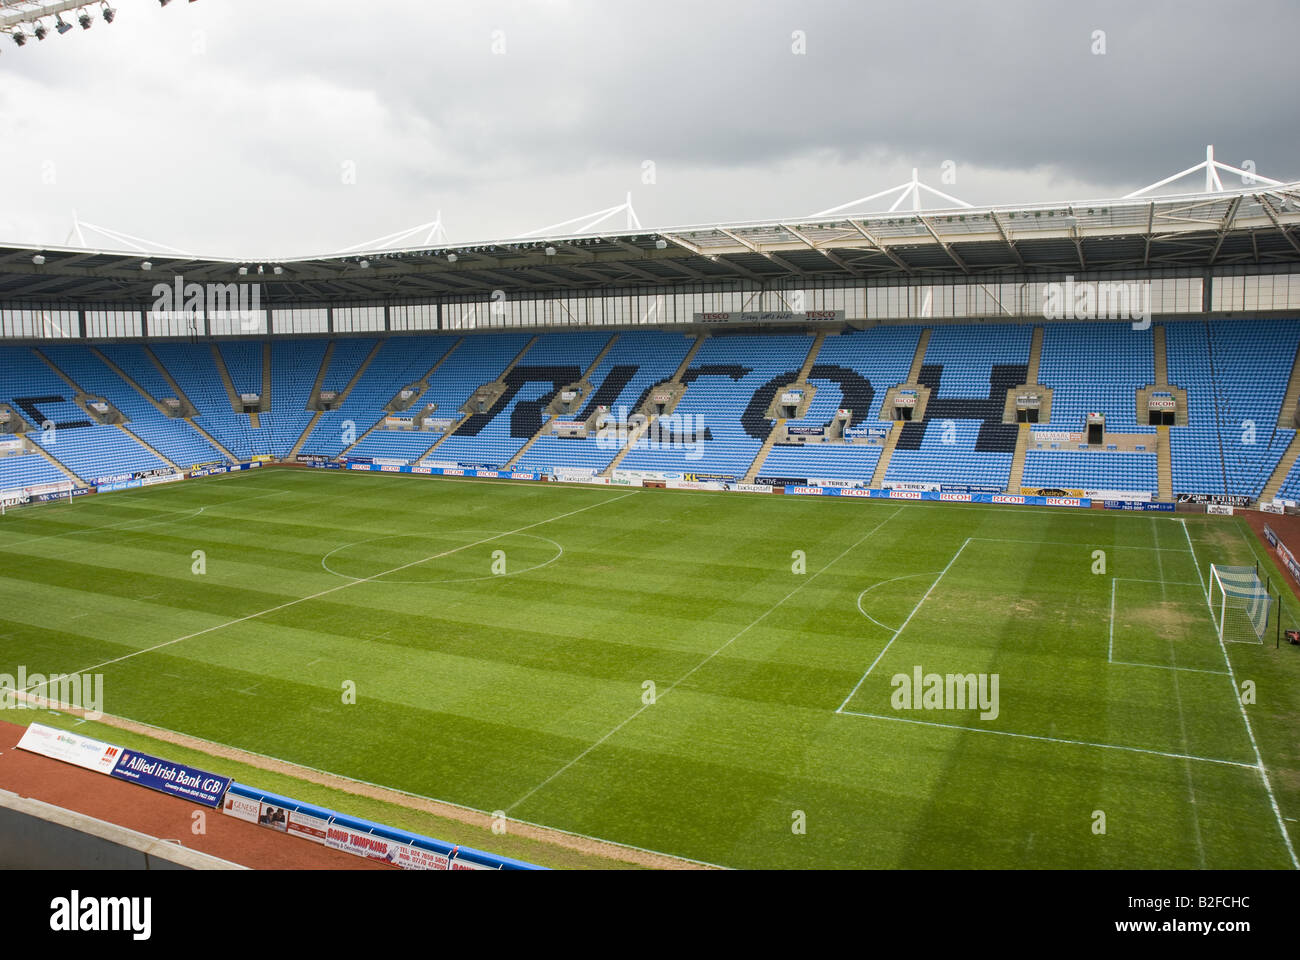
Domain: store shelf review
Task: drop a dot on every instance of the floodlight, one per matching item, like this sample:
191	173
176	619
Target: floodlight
451	258
19	37
39	30
146	265
85	20
61	25
39	259
109	13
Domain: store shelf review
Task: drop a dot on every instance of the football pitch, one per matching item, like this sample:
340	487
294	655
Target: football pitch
743	680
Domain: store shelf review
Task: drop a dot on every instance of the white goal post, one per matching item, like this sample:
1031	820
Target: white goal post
1239	603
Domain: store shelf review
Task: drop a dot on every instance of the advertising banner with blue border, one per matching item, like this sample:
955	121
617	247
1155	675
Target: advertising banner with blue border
120	485
177	779
1004	498
362	838
443	472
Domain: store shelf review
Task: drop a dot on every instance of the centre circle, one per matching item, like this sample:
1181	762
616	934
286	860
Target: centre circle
400	558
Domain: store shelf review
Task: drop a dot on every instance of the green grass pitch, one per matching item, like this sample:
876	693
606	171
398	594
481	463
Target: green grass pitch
652	668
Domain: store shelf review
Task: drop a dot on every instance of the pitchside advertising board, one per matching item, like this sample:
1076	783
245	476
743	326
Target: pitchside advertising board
939	495
69	747
361	838
438	471
232	468
46	497
1283	554
177	779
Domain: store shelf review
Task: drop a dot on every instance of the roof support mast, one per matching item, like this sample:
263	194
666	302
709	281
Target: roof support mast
911	188
1212	182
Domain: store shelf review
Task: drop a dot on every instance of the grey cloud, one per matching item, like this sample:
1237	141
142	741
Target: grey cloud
737	124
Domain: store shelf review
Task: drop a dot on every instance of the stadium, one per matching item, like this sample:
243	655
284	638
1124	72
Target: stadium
926	535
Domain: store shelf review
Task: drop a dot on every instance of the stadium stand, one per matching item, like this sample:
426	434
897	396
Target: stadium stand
1291	485
855	462
1091	470
492	439
294	365
28	471
723	391
243	359
170	436
621	381
962	440
1235	373
1096	368
346	360
87	448
399	361
193	368
852	371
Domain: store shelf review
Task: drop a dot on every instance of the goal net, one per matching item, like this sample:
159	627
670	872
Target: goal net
1239	603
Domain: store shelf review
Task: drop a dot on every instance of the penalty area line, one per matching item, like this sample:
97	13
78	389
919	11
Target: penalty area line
1031	736
857	686
676	683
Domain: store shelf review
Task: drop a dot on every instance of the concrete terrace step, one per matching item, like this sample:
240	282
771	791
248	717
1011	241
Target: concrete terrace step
1035	355
1164	465
923	341
763	451
882	465
1287	415
236	405
1161	355
1284	466
59	464
314	395
806	369
1016	478
148	446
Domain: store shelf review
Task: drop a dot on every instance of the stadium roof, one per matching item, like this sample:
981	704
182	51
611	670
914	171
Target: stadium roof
1256	226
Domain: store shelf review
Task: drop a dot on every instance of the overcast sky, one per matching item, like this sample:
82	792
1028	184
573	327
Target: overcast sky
278	128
